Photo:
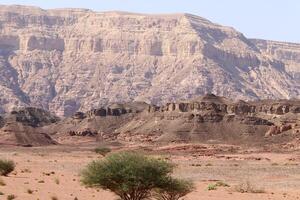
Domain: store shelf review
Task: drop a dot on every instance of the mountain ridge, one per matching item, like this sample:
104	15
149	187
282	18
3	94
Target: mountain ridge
48	59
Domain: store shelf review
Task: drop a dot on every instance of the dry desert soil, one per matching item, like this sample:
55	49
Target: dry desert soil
53	172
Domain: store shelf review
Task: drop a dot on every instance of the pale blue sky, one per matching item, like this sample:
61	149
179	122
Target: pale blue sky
266	19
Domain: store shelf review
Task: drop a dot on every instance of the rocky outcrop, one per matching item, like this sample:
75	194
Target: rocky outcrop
23	127
2	122
112	110
34	117
216	118
68	60
86	132
217	104
275	130
98	124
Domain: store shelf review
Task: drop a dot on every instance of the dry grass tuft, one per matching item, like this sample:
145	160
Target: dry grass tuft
247	187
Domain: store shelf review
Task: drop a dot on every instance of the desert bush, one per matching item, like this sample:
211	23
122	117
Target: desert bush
6	167
222	184
173	189
212	187
29	191
11	197
2	183
247	187
130	176
56	180
102	150
216	185
54	198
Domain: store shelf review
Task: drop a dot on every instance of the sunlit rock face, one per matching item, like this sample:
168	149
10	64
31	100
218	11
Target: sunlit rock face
289	53
75	59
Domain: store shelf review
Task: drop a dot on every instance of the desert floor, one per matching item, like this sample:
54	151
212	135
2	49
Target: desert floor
51	172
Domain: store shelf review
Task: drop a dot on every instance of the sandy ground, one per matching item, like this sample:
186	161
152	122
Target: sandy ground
53	172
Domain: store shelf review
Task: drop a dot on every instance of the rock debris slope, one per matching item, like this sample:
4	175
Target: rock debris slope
67	60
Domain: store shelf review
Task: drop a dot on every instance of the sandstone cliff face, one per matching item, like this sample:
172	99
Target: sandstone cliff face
288	53
75	59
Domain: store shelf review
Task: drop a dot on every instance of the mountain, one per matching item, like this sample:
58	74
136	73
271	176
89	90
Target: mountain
68	60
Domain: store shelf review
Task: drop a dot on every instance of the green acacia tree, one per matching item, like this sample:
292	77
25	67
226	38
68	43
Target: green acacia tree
131	176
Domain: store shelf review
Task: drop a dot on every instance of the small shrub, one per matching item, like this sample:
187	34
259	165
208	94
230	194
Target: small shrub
54	198
211	187
1	193
6	167
56	180
41	181
25	171
216	185
102	150
222	184
29	191
11	197
2	183
274	164
247	187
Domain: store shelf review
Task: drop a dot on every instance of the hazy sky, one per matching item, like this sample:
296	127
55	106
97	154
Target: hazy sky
266	19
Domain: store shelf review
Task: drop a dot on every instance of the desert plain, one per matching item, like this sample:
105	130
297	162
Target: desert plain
53	172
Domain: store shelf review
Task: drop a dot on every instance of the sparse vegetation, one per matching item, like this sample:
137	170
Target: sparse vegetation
11	197
25	171
221	184
196	165
133	176
29	191
54	198
102	150
211	187
247	187
6	167
2	183
216	185
56	180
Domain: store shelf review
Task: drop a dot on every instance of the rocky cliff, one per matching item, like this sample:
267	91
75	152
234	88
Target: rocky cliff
288	53
75	59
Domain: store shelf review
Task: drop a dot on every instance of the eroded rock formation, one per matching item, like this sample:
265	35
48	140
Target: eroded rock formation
208	118
48	59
